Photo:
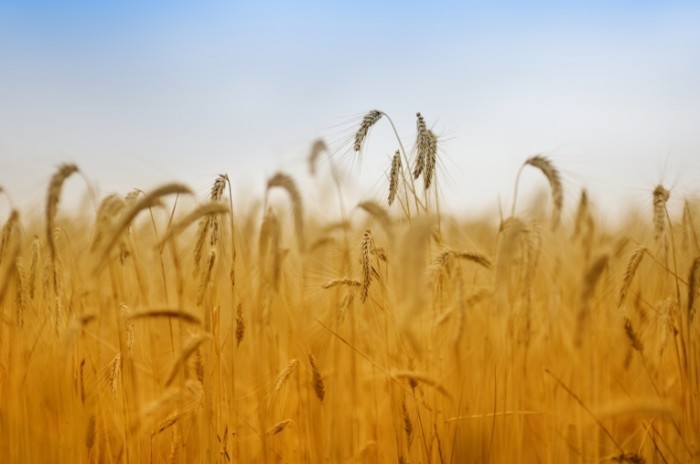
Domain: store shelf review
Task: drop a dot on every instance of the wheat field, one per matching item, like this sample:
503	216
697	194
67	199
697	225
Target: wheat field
163	327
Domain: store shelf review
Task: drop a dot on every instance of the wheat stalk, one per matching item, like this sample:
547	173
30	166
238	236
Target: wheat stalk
509	234
206	277
166	313
269	241
366	265
204	211
147	201
415	378
379	213
693	282
473	256
582	213
109	208
279	427
33	266
189	349
552	175
7	232
52	198
590	281
287	183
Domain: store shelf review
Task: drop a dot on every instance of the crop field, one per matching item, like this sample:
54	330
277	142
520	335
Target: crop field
165	326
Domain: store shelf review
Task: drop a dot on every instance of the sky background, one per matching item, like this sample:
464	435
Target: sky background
138	94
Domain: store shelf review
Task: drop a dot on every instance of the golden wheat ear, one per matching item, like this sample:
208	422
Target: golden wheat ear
368	121
630	270
554	179
394	176
421	145
660	197
316	379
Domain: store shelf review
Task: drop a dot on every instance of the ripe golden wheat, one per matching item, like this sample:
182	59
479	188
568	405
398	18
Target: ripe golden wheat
398	334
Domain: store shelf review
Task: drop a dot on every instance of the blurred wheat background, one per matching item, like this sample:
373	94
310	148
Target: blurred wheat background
349	232
160	326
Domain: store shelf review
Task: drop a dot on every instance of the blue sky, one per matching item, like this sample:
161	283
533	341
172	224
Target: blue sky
139	94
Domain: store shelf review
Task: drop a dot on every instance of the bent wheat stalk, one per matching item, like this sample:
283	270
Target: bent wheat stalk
52	198
552	175
285	182
147	201
203	211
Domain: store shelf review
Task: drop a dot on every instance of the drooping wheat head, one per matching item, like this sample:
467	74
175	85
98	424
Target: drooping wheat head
317	147
368	121
53	196
552	175
286	182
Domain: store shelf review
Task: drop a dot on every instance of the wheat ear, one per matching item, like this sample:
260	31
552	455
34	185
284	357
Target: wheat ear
593	273
660	197
240	325
630	270
317	147
285	374
632	336
430	160
8	232
394	176
421	146
316	379
209	224
339	282
368	121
